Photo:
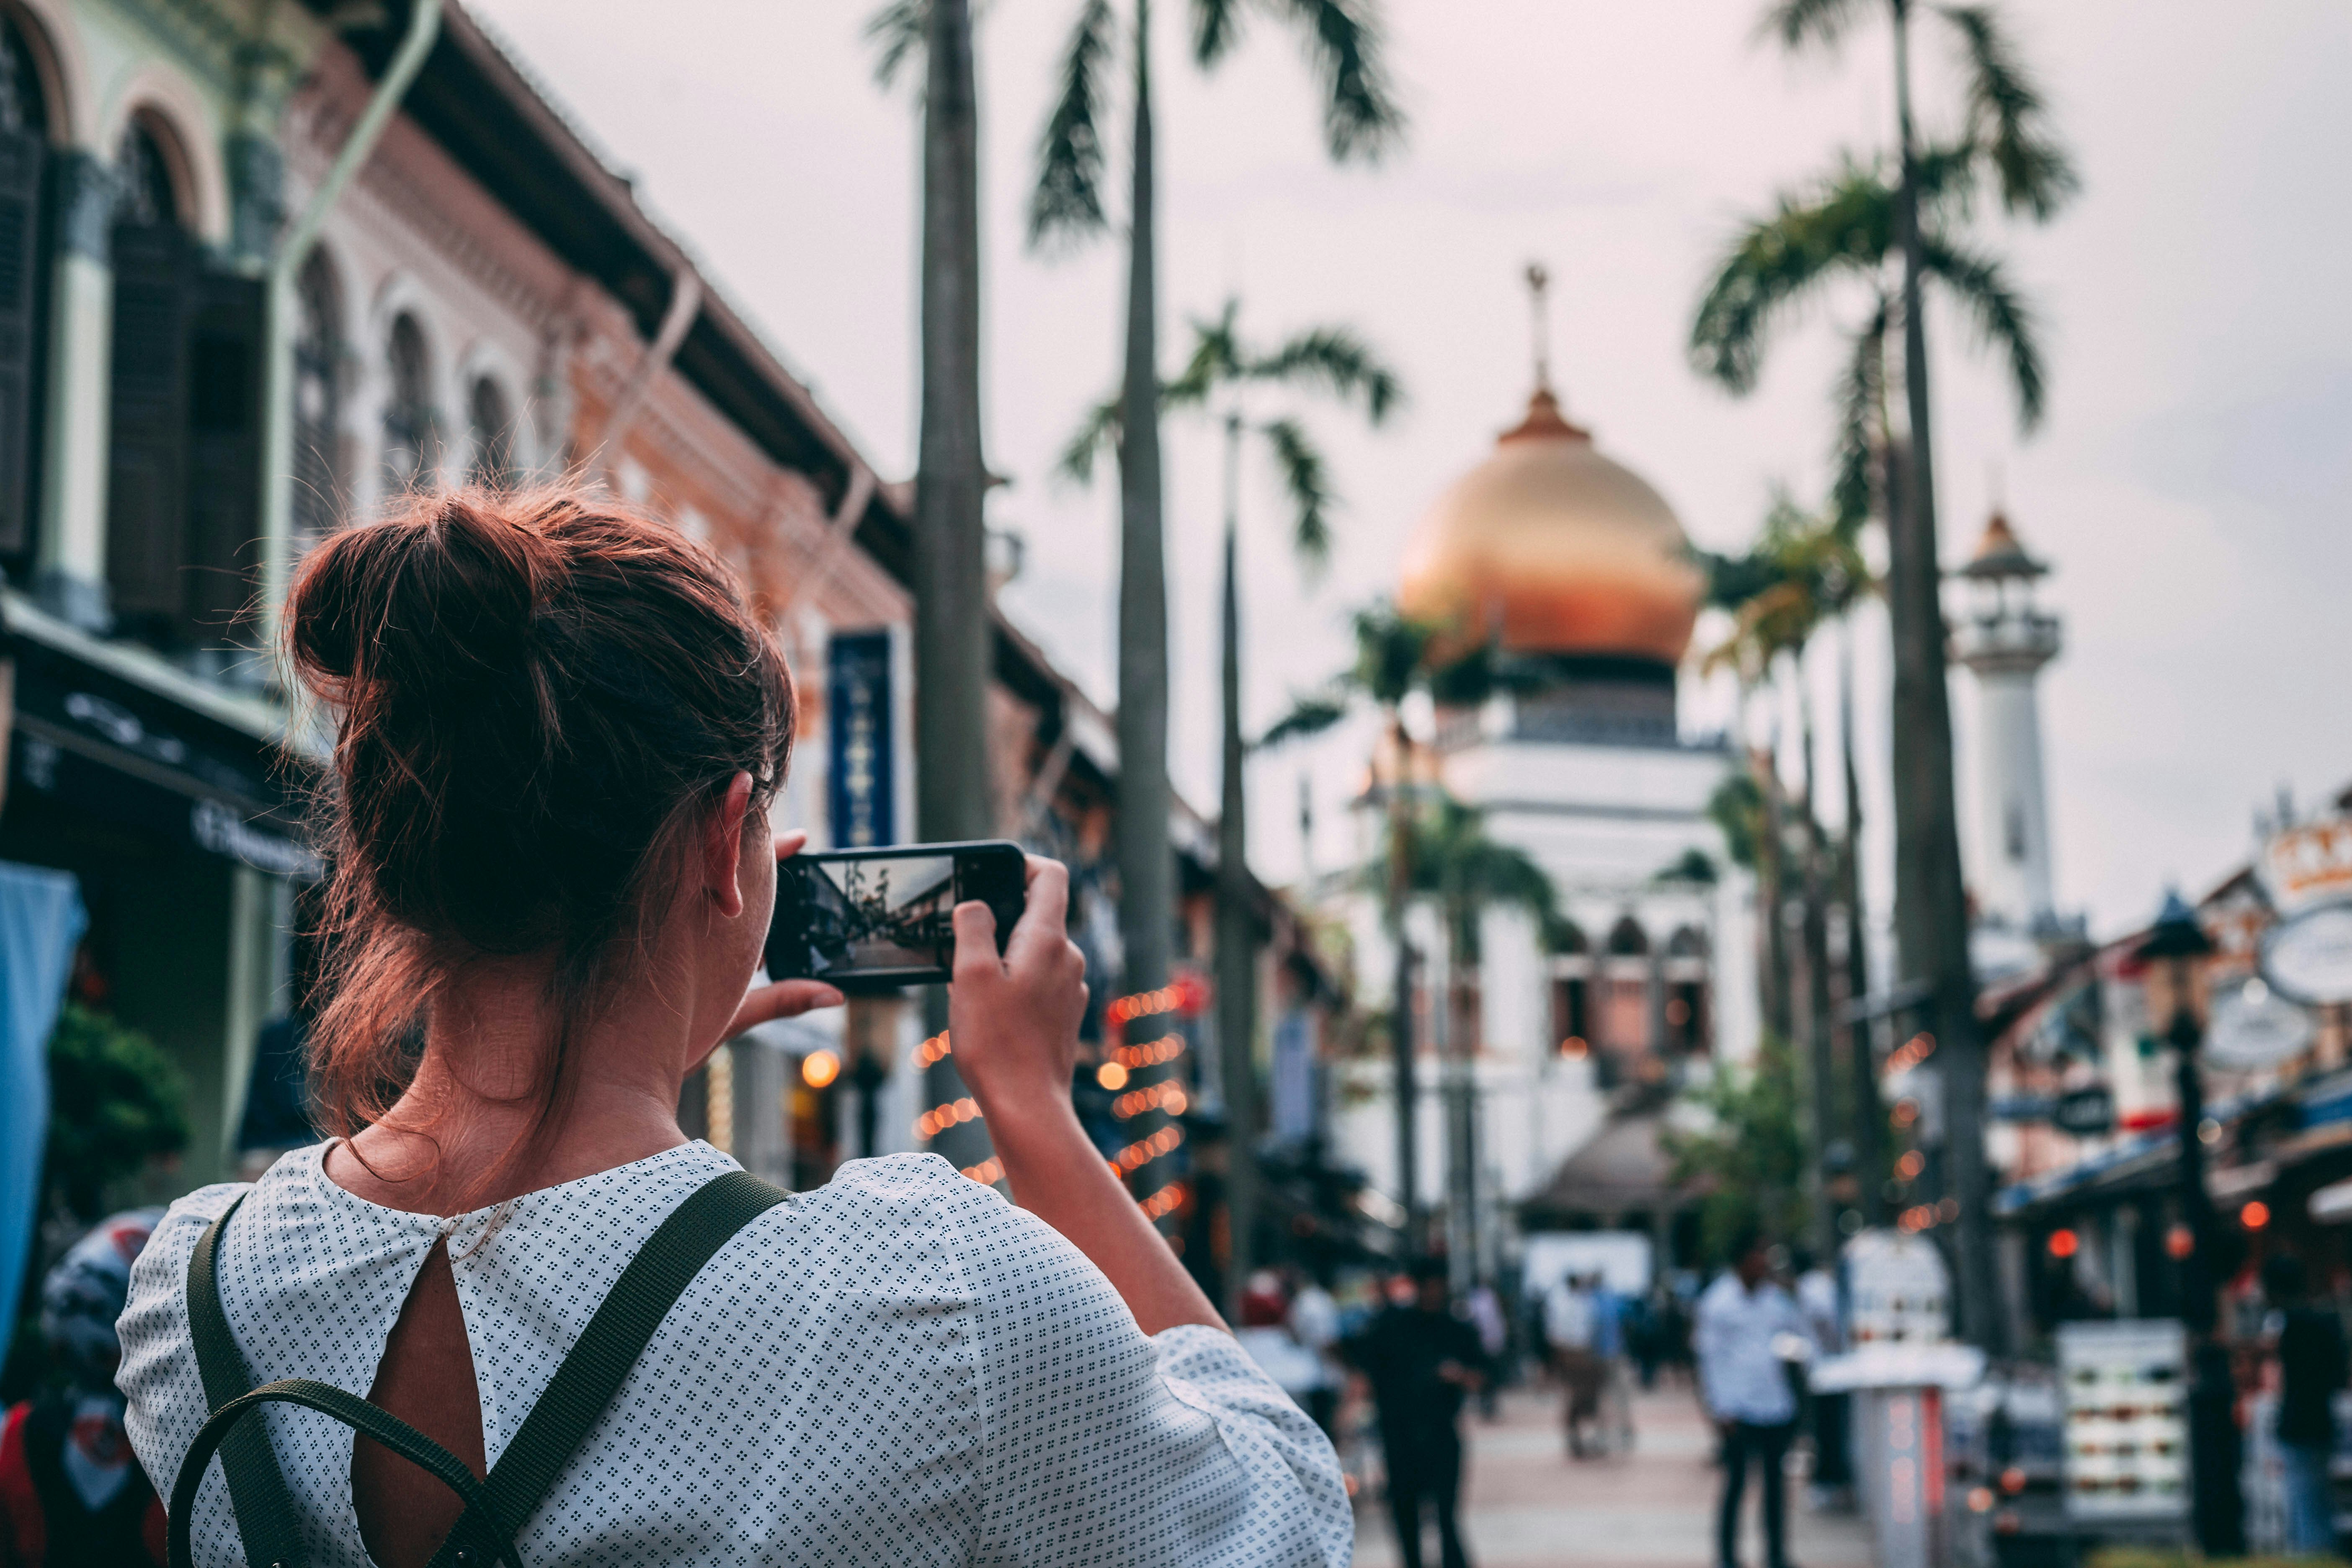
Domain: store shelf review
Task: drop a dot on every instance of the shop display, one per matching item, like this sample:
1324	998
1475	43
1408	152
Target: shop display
2126	1437
1897	1289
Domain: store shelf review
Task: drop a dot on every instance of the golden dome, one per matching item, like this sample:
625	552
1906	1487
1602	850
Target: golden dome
1555	548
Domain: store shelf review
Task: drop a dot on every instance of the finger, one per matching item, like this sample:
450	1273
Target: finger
975	936
783	999
791	844
1049	902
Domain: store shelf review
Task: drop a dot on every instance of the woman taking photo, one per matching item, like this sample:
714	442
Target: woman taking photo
558	736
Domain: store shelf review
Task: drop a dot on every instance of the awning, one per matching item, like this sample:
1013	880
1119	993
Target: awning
95	742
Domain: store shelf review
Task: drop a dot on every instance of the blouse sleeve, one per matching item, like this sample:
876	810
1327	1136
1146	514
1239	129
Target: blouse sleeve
1103	1445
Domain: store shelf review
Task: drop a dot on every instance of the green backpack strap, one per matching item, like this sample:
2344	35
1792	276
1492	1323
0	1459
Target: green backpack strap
496	1508
350	1409
257	1488
607	1348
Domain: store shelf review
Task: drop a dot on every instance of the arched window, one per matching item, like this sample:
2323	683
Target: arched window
1627	939
318	400
409	455
493	432
147	440
23	150
1688	941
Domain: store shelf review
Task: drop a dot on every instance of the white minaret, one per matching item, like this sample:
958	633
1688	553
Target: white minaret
2005	640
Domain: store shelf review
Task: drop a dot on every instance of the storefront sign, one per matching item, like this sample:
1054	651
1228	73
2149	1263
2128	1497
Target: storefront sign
2254	1027
2304	867
2126	1436
2087	1112
860	775
2307	957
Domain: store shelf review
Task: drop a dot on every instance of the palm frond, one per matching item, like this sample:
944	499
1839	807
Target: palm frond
1844	226
1308	483
1216	27
1215	360
1067	202
1098	432
1389	650
1802	24
1337	361
2008	118
1860	409
898	32
1309	715
1362	118
2003	320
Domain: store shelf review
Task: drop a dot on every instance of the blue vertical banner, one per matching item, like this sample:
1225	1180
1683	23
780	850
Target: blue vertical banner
41	919
861	775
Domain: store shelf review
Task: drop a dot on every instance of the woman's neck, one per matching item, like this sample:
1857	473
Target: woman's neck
474	1127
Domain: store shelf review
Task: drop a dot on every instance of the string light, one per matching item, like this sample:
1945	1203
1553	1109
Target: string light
940	1118
934	1049
1142	1005
1168	1097
1167	1049
987	1172
1164	1202
1112	1076
1143	1150
819	1069
1912	1052
2255	1214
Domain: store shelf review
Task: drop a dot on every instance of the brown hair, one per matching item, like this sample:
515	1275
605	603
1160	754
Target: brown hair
536	697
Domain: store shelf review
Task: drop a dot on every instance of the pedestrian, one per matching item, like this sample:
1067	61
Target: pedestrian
1314	1320
1744	1381
1609	1348
1571	1323
1265	1335
1422	1362
1484	1310
1831	1413
2308	1344
558	733
71	1491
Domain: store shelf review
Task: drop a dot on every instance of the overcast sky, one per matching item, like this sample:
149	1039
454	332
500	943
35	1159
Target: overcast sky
2189	487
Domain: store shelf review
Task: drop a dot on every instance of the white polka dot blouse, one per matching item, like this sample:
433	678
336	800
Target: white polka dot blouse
899	1368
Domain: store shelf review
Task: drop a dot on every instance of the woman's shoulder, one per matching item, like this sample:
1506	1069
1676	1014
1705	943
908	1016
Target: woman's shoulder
916	1190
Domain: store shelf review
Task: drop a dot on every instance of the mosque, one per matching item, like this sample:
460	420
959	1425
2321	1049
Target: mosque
1558	1055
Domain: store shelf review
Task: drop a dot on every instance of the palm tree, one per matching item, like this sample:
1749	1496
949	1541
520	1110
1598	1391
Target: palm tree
1359	121
1223	369
1911	224
1392	661
952	797
1466	873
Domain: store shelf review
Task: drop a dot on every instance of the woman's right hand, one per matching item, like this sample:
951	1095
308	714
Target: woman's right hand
1013	1020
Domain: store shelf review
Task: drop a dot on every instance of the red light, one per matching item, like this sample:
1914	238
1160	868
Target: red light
2179	1242
2255	1214
2064	1243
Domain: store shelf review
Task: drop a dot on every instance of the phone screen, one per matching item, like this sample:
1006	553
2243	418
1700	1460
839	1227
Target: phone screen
876	919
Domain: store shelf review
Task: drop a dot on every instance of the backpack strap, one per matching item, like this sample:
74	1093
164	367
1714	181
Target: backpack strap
348	1408
498	1507
257	1488
607	1348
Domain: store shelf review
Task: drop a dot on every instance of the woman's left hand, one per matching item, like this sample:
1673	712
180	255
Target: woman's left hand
782	998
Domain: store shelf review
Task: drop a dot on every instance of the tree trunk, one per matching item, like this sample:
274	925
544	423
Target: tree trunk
1774	979
1236	933
1819	1056
1931	898
1146	863
1405	1085
1869	1113
1454	1045
952	797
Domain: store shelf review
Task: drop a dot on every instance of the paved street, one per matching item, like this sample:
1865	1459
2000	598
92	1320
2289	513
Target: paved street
1529	1506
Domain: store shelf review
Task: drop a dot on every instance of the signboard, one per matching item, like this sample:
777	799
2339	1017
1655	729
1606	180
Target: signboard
2304	867
2307	957
2126	1436
1897	1289
860	775
2085	1112
2254	1027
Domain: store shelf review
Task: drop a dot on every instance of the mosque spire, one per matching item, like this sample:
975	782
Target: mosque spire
1539	322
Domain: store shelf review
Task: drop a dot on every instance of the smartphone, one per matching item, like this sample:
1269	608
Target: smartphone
877	919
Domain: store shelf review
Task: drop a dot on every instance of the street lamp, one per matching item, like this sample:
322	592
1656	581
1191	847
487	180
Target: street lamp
2217	1508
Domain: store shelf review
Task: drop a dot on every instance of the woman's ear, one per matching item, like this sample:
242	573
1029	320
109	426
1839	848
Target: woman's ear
722	846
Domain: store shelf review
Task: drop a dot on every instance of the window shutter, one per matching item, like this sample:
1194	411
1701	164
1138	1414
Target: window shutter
224	453
146	488
21	155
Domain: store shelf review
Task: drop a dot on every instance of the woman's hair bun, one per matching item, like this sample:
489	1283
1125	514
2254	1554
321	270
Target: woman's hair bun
534	695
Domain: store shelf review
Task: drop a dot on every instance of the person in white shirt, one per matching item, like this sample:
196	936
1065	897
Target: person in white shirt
1745	1321
1817	1298
1571	1323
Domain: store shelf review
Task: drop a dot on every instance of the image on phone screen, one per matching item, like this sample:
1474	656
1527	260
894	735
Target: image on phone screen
878	919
